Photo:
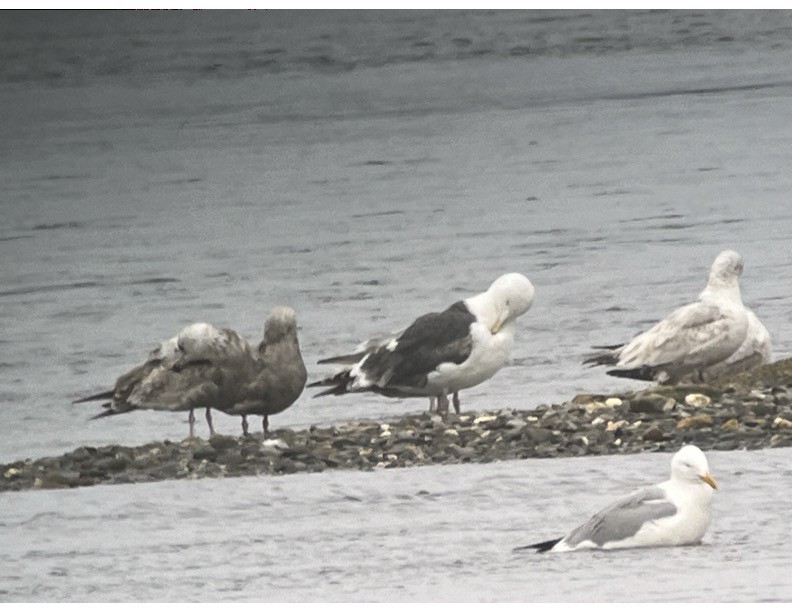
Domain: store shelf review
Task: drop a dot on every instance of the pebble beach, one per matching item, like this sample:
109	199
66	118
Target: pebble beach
746	412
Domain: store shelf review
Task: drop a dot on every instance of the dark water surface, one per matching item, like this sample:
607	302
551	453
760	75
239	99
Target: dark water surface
365	168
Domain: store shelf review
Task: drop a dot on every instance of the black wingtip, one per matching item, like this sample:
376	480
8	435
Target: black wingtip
326	392
539	547
338	384
101	415
610	356
338	359
95	398
642	373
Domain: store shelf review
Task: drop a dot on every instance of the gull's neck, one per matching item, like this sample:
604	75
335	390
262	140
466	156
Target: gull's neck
722	291
482	308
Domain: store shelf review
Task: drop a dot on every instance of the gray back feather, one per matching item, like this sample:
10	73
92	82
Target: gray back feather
624	518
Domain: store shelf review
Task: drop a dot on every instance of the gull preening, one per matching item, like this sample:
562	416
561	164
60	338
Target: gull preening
164	372
691	339
207	367
673	513
440	353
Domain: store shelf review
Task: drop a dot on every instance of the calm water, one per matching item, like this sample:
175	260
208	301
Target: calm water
425	534
365	168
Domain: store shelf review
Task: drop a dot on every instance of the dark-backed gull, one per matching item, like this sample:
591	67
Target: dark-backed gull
440	352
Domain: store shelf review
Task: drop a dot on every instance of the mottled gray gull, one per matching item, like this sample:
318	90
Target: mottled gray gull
754	351
440	353
673	513
279	377
692	338
201	367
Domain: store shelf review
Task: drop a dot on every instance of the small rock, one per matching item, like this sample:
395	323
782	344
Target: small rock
651	403
695	422
731	425
613	402
484	418
12	473
655	434
779	422
697	400
204	452
219	442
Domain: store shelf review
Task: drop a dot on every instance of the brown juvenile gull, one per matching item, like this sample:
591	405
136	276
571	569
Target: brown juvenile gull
673	513
440	353
279	372
201	367
692	338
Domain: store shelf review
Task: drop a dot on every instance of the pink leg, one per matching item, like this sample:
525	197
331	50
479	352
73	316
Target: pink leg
209	421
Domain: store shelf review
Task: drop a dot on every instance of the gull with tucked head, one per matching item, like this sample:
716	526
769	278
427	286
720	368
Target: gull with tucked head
440	353
208	367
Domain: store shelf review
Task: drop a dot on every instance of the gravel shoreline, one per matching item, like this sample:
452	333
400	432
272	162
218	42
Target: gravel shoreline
749	411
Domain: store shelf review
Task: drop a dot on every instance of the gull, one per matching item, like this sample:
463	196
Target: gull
754	351
440	353
194	369
204	366
279	375
692	338
673	513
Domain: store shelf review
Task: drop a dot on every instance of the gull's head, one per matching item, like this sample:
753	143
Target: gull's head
281	323
512	295
727	268
195	342
167	352
690	465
